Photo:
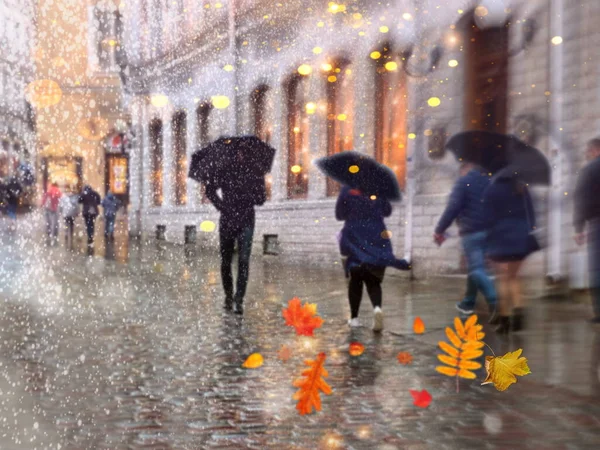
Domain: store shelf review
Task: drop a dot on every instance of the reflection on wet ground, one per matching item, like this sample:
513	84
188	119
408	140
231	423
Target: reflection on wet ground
101	354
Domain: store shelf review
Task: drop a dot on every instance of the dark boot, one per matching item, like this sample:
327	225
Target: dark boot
518	320
238	305
494	318
228	303
503	325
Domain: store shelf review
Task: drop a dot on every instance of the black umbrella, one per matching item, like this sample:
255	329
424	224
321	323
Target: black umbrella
503	155
232	157
361	172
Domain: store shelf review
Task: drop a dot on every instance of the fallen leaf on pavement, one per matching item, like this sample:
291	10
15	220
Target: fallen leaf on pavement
501	370
311	382
285	353
404	358
418	326
254	361
356	349
422	399
302	317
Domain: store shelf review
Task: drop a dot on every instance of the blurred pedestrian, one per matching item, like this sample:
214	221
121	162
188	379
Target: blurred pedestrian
111	205
236	226
365	243
69	208
90	201
587	218
466	207
510	214
50	202
13	196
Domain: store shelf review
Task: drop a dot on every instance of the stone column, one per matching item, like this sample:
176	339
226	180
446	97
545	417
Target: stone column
364	104
146	163
168	161
136	156
279	141
192	129
317	187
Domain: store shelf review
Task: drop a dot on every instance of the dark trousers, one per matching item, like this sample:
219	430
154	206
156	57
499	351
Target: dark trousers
228	239
90	226
69	224
109	225
372	278
593	238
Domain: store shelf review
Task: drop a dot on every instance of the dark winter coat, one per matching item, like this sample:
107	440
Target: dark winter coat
466	204
364	239
511	220
13	190
90	201
587	195
111	205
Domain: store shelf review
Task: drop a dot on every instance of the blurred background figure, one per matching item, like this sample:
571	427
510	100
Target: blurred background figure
509	212
69	208
50	202
466	207
13	195
90	201
587	218
111	205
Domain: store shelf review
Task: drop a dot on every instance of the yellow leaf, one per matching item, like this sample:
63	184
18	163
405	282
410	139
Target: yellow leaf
472	345
464	373
471	354
452	337
470	322
470	365
447	371
254	361
449	349
448	360
460	330
502	369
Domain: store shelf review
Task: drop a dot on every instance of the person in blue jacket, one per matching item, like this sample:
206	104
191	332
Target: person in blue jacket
466	207
365	242
510	216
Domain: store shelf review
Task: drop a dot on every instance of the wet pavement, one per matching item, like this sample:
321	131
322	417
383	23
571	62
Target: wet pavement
135	351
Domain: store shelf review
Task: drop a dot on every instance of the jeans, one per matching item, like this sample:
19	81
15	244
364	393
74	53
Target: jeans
478	278
52	223
593	238
228	239
11	211
109	225
90	226
70	225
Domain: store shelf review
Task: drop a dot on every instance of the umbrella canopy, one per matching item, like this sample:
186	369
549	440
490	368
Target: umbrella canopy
232	157
503	155
361	172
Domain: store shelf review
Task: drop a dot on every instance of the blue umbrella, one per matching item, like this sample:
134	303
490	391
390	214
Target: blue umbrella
361	172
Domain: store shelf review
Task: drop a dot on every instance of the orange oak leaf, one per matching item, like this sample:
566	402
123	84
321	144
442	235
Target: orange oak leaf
404	358
356	349
418	326
285	353
422	399
311	382
302	317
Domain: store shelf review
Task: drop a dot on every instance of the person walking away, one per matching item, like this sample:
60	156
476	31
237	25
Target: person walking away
510	215
365	242
50	202
90	201
69	208
13	195
587	218
236	226
466	207
111	205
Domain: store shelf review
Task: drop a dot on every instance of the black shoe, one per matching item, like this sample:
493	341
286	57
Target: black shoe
494	318
503	325
228	304
238	307
518	320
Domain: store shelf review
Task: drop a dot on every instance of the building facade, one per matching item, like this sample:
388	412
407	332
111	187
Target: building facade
393	80
77	47
17	121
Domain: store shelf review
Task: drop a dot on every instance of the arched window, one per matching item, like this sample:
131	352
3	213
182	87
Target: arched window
391	106
203	134
180	159
156	155
486	81
298	138
261	115
340	111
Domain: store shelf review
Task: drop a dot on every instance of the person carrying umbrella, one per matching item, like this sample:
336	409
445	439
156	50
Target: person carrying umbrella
587	218
90	201
365	241
236	166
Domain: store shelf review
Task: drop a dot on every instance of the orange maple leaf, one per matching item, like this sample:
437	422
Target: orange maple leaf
404	358
302	317
310	383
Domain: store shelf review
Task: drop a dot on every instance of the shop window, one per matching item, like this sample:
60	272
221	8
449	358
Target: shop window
340	111
486	81
391	104
180	158
298	138
156	154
